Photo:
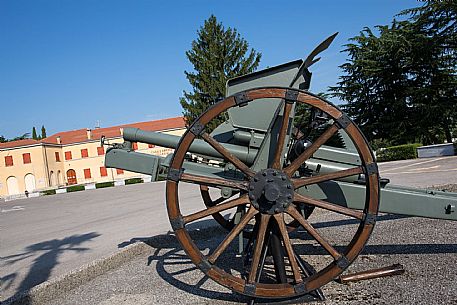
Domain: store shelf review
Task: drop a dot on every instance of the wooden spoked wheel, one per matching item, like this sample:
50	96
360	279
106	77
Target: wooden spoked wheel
269	195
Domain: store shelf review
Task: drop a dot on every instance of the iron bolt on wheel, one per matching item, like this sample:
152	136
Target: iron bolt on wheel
270	195
228	224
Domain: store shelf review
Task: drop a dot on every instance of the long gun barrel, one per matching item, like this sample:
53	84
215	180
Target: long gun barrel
245	154
285	151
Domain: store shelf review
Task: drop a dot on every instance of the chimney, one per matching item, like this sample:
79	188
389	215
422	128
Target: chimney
58	140
121	130
89	134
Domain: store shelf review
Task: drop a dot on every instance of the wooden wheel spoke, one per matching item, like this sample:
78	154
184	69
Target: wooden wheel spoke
264	220
296	278
228	155
213	181
329	206
309	151
218	200
325	177
209	202
288	245
282	136
217	208
313	232
235	231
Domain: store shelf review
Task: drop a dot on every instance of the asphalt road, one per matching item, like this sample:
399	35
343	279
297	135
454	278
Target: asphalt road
47	236
421	172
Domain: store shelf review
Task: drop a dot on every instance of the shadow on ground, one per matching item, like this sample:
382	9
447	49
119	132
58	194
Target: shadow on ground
168	252
48	254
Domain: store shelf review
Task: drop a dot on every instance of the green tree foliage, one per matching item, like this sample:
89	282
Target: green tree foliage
438	21
34	134
21	137
43	132
307	126
399	83
217	55
303	114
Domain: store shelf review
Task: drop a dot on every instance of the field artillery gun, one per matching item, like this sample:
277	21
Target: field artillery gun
281	153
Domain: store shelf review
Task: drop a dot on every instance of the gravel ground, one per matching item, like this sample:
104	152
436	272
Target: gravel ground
446	187
425	247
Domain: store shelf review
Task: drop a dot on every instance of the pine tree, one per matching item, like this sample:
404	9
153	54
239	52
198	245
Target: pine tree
43	132
217	55
34	134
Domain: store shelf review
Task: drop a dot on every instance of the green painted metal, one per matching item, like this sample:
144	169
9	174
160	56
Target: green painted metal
262	109
394	199
132	161
198	146
248	135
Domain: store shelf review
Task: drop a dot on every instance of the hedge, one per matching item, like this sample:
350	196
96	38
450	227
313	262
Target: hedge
104	184
400	152
75	188
48	192
133	181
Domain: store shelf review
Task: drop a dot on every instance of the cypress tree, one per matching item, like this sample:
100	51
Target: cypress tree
43	132
34	134
217	55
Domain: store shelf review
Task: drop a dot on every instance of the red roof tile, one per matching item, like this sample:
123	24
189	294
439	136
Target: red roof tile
80	135
18	143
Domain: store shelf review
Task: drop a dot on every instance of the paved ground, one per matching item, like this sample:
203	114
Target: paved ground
47	236
421	172
167	277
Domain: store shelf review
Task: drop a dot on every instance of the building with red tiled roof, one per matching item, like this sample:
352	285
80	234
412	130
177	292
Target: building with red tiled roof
71	157
84	135
19	143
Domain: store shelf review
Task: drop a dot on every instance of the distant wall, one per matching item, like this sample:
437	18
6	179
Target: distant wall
438	150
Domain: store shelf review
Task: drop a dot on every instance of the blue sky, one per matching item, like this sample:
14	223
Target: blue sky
68	64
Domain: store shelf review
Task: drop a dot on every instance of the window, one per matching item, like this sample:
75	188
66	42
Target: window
68	155
9	161
135	145
100	150
84	153
151	145
103	171
119	171
87	173
57	156
26	158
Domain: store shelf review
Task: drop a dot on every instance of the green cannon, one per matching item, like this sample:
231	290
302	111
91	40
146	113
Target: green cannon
281	154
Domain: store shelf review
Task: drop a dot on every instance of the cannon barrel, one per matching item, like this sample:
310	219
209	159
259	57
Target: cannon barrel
343	180
245	154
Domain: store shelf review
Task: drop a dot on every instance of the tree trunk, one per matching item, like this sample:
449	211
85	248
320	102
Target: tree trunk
447	132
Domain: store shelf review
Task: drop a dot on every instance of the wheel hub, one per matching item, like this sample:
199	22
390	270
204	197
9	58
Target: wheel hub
271	191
